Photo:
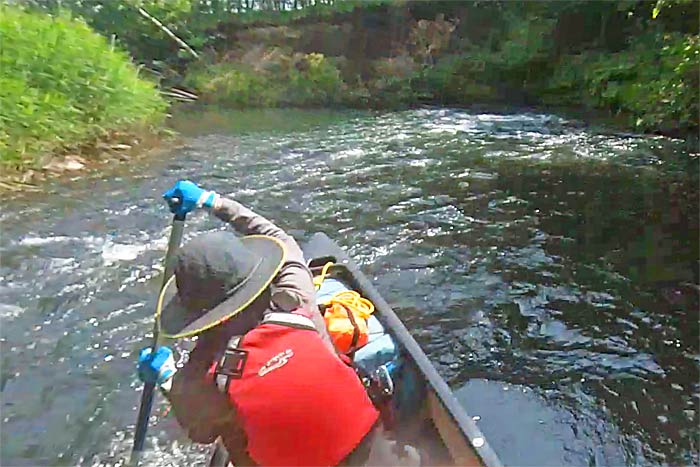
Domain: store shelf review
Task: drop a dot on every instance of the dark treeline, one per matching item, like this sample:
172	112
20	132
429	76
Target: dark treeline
204	6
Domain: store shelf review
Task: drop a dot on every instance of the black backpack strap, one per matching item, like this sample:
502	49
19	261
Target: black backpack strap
379	386
380	389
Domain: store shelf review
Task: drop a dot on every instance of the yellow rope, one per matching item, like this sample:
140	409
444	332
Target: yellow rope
318	280
353	301
347	298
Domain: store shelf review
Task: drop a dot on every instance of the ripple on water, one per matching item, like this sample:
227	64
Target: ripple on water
526	256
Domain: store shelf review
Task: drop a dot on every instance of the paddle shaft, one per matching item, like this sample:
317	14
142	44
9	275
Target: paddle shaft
178	227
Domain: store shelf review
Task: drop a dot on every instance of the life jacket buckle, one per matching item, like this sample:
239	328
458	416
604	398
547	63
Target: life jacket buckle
232	363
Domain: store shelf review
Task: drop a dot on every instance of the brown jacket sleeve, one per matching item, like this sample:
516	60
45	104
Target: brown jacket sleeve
293	287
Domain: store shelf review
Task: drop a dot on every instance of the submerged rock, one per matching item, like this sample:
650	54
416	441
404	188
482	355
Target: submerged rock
68	164
120	147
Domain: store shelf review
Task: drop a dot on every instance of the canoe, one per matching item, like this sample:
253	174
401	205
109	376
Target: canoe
430	417
425	413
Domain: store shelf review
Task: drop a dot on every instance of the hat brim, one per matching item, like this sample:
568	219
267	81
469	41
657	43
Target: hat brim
175	321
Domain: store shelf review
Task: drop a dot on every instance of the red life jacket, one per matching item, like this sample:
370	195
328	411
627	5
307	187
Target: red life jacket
299	404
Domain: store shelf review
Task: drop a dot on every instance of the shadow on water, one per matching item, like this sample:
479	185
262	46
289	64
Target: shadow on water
550	272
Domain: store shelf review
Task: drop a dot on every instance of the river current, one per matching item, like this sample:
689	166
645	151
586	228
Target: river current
549	270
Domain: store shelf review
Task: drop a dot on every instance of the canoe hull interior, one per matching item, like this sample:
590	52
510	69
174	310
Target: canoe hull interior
427	413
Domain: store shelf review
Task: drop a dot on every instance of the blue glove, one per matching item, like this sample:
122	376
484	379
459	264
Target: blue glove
186	196
156	368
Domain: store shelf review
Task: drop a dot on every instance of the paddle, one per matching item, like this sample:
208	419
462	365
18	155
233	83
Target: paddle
148	390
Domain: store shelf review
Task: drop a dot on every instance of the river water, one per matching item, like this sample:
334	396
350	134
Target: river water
547	269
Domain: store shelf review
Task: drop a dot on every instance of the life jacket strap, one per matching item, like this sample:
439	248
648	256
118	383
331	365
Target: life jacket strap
230	365
289	319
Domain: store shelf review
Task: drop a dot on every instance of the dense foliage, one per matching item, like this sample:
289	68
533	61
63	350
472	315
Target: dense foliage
276	80
595	55
637	60
61	84
200	23
655	81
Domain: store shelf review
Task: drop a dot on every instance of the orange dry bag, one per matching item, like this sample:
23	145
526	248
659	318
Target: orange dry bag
346	319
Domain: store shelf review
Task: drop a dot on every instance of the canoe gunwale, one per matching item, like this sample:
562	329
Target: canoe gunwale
320	246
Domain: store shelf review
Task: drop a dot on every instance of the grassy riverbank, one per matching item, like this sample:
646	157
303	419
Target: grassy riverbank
64	89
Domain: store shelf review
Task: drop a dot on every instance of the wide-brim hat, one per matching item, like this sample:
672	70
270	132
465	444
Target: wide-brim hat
217	275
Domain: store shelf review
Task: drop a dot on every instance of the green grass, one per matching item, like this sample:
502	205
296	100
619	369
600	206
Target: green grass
62	85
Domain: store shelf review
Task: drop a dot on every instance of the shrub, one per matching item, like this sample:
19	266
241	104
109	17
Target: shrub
655	81
61	84
462	78
233	85
314	81
302	81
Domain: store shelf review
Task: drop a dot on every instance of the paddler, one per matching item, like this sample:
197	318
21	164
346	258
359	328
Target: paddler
264	375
